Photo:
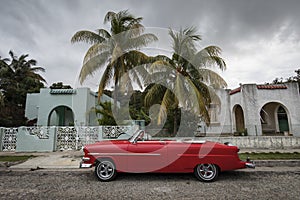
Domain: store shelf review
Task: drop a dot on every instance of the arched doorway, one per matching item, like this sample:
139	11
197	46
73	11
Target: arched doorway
61	116
239	118
274	119
283	121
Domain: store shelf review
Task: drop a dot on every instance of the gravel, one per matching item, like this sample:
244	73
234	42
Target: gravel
41	184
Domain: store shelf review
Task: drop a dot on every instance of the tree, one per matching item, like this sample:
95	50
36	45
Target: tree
288	80
107	117
116	52
189	79
18	76
60	85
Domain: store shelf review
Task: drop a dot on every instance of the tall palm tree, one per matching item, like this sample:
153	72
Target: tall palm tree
23	68
116	52
18	76
189	79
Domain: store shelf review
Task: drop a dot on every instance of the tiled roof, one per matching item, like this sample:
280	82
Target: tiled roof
271	87
235	91
261	87
62	91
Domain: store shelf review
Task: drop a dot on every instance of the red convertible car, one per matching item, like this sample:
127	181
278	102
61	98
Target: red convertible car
139	155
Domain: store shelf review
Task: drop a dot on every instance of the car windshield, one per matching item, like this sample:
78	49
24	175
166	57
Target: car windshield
134	135
124	136
138	134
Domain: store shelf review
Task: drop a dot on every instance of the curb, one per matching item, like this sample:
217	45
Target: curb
258	163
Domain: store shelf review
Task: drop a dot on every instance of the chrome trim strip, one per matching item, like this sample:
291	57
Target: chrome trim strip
84	165
124	154
193	141
250	165
85	158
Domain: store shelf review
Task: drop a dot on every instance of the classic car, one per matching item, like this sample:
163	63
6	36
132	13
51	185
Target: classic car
140	155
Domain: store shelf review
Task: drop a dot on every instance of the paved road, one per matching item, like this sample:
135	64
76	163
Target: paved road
253	184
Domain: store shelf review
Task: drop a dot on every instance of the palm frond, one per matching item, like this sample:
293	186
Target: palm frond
106	76
209	56
158	66
167	101
154	94
137	78
192	33
109	16
212	78
104	33
136	29
92	65
140	41
202	99
96	50
35	69
87	36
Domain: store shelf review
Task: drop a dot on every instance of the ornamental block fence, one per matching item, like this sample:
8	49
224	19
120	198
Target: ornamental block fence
57	138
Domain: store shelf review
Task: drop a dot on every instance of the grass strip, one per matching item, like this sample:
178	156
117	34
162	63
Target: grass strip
15	158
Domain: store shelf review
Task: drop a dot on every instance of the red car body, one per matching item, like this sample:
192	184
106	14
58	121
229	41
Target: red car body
168	156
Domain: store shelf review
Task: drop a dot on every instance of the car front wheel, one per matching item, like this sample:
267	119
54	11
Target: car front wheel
105	170
206	172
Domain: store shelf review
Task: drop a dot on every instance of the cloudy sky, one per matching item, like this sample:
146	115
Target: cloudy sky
260	39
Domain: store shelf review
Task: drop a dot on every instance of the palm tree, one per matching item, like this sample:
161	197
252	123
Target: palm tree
21	77
18	76
188	78
116	52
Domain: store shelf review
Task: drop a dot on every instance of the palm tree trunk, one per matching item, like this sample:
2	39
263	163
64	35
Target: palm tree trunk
115	98
175	122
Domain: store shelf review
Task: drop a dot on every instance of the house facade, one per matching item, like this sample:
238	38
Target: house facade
63	107
257	110
250	109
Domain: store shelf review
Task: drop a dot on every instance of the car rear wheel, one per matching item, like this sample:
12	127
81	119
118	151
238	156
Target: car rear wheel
206	172
105	170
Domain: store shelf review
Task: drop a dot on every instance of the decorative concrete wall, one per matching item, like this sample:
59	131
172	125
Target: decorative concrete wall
39	139
261	142
58	138
47	139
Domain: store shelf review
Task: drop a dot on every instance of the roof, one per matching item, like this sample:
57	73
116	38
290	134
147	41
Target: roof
261	87
271	87
236	90
62	91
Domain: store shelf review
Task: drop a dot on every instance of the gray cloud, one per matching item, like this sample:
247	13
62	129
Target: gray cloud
254	35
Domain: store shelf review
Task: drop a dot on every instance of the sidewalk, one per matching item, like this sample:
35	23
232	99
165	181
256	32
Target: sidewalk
70	160
48	160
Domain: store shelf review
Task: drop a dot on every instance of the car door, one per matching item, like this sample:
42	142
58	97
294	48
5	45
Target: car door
147	156
183	156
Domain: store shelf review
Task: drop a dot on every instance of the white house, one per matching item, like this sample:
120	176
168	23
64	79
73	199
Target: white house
257	110
63	107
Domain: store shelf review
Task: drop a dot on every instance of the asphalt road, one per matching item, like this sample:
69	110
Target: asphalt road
41	184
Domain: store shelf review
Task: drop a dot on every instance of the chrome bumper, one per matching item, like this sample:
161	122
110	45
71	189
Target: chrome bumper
250	165
84	165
